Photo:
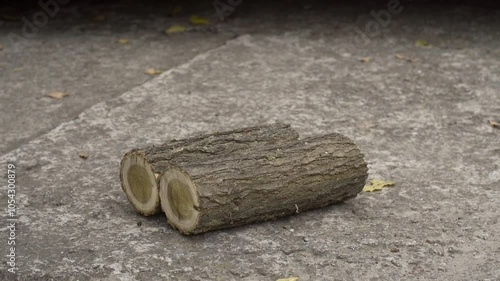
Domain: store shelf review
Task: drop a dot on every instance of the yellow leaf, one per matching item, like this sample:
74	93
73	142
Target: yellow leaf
123	41
365	59
57	95
288	279
194	19
175	29
377	184
370	188
83	154
494	124
98	18
422	43
152	71
177	10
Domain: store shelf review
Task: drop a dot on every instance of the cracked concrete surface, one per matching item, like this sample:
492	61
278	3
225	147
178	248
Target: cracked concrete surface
422	124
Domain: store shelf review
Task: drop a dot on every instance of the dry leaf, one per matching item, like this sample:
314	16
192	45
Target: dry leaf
401	57
405	58
152	71
288	279
194	19
365	59
123	41
377	184
175	29
18	69
176	11
83	154
494	124
57	95
99	18
422	43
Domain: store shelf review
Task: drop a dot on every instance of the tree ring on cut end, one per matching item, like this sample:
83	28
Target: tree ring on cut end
179	199
139	183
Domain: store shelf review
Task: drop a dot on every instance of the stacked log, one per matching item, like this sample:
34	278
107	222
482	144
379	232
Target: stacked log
233	178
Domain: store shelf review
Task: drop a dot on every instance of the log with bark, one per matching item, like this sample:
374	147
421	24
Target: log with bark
264	182
140	168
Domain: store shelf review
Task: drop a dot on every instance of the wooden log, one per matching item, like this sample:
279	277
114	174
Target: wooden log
267	182
140	168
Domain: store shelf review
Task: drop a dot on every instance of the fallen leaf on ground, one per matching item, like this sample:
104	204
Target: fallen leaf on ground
494	124
83	154
288	279
365	59
401	57
194	19
57	95
18	69
98	18
175	29
422	43
176	11
405	58
377	184
152	71
123	41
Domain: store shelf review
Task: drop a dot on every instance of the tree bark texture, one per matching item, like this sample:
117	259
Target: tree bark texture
234	187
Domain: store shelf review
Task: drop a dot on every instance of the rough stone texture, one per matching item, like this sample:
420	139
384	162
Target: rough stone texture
421	124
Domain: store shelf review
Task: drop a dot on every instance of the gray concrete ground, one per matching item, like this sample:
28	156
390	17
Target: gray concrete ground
83	58
421	123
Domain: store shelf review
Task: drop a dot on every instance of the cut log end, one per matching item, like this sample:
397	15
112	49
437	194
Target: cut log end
139	184
179	200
